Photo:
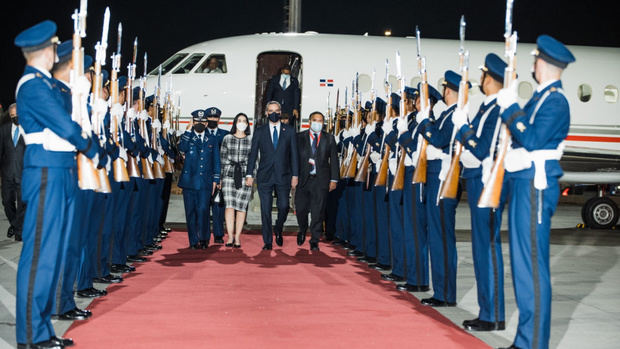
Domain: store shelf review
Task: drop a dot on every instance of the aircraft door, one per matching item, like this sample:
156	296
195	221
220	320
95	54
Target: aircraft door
268	64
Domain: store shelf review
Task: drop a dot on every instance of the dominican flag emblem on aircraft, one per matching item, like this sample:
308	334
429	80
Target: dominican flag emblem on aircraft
326	82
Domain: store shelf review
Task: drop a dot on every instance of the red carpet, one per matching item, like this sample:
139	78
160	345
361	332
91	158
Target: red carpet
285	298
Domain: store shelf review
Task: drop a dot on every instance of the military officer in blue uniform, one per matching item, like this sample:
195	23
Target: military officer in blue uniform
199	178
533	169
479	138
49	183
356	217
441	213
367	185
217	211
343	226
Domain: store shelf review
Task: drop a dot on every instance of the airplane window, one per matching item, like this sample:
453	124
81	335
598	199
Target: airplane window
169	63
189	64
215	63
525	90
474	87
584	92
611	94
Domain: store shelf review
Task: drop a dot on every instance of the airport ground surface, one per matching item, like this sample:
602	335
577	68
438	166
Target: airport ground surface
585	269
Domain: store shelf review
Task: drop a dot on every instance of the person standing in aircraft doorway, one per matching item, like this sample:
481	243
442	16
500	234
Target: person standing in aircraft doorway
284	89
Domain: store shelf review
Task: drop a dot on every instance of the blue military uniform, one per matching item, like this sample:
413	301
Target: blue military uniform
368	204
200	170
538	130
441	213
49	183
217	210
479	139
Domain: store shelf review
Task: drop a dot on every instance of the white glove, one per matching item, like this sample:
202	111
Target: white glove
131	114
345	134
122	153
117	111
160	160
375	157
81	86
166	125
100	107
143	115
156	124
354	131
402	126
370	128
108	165
422	115
507	96
387	126
459	117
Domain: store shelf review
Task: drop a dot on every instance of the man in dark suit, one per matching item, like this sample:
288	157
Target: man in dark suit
12	148
318	175
278	170
284	89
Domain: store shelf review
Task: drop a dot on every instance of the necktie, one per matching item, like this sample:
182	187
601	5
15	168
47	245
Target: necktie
314	140
212	132
15	136
275	137
284	84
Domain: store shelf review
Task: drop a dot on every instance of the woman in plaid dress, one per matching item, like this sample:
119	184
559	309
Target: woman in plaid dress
234	160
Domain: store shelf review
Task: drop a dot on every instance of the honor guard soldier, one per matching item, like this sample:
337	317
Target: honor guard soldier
441	213
217	211
479	138
49	183
343	221
199	178
367	185
532	162
356	218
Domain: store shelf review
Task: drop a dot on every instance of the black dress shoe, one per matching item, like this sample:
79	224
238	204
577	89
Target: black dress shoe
195	246
10	233
153	246
109	279
301	238
91	293
48	344
18	236
480	325
392	277
279	240
267	247
412	288
338	242
218	240
434	302
67	342
348	246
228	244
370	260
74	314
204	244
122	268
136	259
329	237
144	252
355	253
166	229
237	245
511	347
381	267
314	246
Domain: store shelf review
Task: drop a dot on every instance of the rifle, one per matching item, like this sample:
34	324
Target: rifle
362	173
147	167
352	166
132	162
98	115
168	168
119	166
336	129
449	186
158	170
399	176
382	175
345	152
87	173
491	193
419	176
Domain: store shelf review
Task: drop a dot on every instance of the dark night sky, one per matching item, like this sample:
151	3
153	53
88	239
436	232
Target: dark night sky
165	26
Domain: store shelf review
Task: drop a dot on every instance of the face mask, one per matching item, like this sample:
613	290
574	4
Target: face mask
212	123
285	75
316	126
199	128
242	126
15	121
274	117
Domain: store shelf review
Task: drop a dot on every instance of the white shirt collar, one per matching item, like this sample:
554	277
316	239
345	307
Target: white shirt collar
43	71
544	85
490	98
199	134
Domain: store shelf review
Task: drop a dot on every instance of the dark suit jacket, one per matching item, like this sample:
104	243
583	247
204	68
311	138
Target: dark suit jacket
289	98
276	166
326	158
11	157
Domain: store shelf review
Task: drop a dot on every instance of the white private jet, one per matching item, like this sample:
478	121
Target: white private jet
324	63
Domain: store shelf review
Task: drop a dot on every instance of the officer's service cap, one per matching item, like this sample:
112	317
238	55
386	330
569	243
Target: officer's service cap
452	80
122	82
494	66
199	115
213	112
380	105
37	37
410	92
368	105
553	51
148	101
64	51
433	94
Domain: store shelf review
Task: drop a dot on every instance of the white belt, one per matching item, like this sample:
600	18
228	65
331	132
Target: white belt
433	153
520	159
49	140
469	160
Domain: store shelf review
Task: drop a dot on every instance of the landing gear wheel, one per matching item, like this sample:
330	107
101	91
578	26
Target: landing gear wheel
600	213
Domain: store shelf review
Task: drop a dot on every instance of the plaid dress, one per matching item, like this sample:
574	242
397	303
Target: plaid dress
235	150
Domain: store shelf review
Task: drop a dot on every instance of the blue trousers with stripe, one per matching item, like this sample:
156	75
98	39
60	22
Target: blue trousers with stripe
486	247
369	214
49	197
121	203
384	250
355	217
134	218
196	204
442	241
396	230
415	231
105	235
92	224
529	219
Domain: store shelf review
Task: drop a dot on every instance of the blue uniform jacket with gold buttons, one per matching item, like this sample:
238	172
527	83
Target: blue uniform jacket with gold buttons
439	135
202	161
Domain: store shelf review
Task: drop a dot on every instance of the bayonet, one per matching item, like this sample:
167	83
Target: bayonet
417	39
119	37
146	59
82	17
462	26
